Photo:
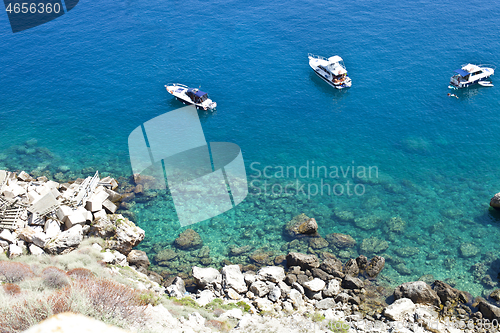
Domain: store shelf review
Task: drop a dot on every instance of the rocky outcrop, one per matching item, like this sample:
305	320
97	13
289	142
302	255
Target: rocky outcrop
120	233
65	241
418	292
401	308
188	240
445	292
207	277
301	226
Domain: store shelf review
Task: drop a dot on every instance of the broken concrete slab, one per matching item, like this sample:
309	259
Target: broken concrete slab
63	211
113	196
101	214
35	219
40	239
8	236
109	206
24	177
44	205
95	201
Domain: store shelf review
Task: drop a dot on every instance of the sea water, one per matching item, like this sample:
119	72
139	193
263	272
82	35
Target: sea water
73	89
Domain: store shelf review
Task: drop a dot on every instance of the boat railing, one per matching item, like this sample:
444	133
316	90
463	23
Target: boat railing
316	56
176	85
488	65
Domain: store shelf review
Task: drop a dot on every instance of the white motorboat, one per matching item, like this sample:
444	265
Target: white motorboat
471	74
331	70
191	96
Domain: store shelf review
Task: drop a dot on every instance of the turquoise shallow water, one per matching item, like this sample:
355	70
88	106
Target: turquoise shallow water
80	84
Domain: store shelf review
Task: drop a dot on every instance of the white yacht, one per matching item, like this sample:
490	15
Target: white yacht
192	96
331	70
471	74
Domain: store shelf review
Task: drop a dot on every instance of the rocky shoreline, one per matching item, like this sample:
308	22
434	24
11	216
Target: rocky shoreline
296	292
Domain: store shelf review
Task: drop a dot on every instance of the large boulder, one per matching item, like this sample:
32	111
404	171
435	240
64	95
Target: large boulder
301	226
177	289
188	240
495	201
418	292
314	285
351	282
66	241
205	277
233	278
332	266
303	260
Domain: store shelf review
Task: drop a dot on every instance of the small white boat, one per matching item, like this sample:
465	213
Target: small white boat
471	74
485	83
191	96
331	70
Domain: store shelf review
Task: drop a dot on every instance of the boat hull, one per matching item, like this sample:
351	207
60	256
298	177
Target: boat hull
336	86
179	92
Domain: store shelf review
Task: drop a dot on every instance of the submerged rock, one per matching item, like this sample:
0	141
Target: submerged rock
396	225
341	240
318	243
469	250
368	222
188	240
373	245
301	226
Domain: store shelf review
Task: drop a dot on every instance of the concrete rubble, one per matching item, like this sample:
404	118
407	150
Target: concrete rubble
43	216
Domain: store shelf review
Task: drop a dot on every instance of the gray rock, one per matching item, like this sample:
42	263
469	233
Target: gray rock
351	267
418	292
375	266
341	240
333	267
206	276
259	288
445	291
488	310
65	241
298	287
14	251
332	289
303	260
317	295
325	304
40	239
177	289
233	278
314	285
8	236
271	273
495	201
342	298
138	258
302	278
290	279
401	308
362	261
35	250
296	299
469	250
249	278
274	294
205	297
350	282
285	289
321	274
263	304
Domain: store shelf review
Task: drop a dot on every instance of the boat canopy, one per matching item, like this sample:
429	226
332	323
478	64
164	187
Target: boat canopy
462	72
335	59
196	95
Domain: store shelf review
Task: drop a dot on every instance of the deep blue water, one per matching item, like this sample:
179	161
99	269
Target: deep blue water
81	83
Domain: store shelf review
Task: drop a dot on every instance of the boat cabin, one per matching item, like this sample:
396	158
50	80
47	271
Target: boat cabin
197	96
